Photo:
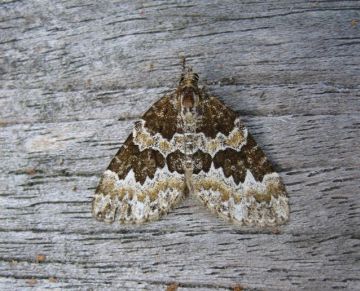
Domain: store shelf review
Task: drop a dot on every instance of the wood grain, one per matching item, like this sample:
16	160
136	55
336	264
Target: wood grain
76	74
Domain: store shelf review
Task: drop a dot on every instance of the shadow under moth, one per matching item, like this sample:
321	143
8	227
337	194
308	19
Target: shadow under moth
190	143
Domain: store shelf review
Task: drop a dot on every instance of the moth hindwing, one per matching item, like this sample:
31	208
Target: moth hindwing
189	142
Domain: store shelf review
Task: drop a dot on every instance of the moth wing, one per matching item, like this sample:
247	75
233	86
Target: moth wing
137	185
240	184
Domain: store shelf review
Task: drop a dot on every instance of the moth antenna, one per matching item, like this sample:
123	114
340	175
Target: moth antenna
185	68
183	63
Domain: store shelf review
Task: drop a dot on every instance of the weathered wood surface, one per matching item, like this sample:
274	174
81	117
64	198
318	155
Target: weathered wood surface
76	74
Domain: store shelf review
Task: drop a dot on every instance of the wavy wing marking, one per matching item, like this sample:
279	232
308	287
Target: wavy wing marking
138	186
241	184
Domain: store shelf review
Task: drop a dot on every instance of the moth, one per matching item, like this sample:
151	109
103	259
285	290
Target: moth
190	143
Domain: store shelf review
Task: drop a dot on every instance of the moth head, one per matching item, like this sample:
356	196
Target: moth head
189	78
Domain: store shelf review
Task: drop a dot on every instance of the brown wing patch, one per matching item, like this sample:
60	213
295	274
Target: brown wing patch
201	160
216	117
174	161
250	157
162	118
143	163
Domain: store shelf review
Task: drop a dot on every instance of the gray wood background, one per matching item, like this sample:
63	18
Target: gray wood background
76	74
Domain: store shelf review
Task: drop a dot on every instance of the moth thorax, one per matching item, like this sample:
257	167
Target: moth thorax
189	99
